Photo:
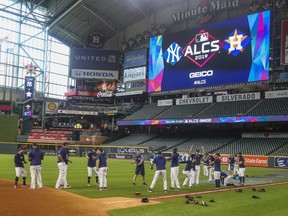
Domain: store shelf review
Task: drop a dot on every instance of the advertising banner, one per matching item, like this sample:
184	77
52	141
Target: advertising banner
95	88
238	97
276	94
194	100
168	102
281	162
128	150
94	74
94	59
232	51
132	74
135	58
250	160
51	107
120	156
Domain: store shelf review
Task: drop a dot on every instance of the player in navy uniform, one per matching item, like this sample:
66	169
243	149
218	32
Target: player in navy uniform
160	162
241	162
236	165
217	170
35	157
91	165
174	169
19	160
198	157
211	167
140	169
189	170
102	168
63	159
231	162
225	177
205	162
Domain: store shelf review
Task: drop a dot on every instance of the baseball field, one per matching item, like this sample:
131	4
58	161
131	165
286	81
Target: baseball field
120	198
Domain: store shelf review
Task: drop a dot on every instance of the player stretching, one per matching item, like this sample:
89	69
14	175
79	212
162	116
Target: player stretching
198	156
241	162
91	166
19	160
217	170
189	170
139	163
174	170
35	157
102	168
160	162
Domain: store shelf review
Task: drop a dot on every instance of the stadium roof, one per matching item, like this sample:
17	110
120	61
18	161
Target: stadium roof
72	21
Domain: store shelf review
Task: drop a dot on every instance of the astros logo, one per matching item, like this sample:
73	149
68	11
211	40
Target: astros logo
236	42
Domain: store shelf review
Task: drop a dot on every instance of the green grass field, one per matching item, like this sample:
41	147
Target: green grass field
120	185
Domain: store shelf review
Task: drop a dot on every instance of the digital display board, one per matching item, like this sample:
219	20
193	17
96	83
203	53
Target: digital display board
232	51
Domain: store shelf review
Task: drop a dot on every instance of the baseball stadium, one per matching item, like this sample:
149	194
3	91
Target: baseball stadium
125	107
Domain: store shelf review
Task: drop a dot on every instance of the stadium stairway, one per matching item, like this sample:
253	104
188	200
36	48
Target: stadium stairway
148	140
253	107
206	108
285	145
217	149
169	107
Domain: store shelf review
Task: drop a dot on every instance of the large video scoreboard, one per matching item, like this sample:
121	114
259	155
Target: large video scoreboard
233	51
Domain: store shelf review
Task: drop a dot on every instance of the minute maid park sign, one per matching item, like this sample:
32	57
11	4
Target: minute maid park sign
204	10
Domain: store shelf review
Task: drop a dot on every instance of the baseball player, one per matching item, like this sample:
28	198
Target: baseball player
139	163
102	169
19	160
225	177
198	156
91	166
63	159
35	157
174	170
217	170
189	170
205	162
231	162
236	165
241	162
153	156
211	167
160	162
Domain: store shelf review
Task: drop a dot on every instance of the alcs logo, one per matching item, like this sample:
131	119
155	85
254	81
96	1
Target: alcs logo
202	48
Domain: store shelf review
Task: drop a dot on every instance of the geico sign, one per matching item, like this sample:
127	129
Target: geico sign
201	74
202	48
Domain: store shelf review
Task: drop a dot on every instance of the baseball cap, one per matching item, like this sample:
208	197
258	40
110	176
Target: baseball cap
174	149
65	144
159	153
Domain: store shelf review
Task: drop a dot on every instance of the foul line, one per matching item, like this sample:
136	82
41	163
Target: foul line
216	190
120	201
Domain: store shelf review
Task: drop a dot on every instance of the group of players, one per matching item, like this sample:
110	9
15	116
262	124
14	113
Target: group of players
211	167
97	164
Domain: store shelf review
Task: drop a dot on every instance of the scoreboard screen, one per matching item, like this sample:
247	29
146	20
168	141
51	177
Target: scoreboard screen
232	51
